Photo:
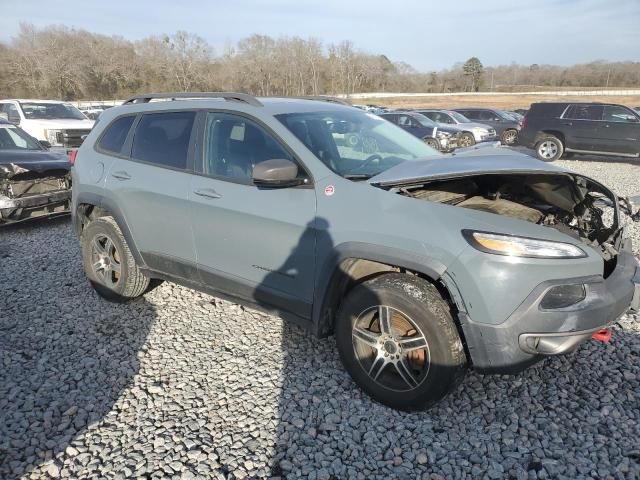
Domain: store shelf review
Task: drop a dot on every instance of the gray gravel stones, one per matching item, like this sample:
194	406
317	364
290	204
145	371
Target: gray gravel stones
181	385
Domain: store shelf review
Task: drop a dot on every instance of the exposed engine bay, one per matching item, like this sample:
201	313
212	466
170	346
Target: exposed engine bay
570	203
26	193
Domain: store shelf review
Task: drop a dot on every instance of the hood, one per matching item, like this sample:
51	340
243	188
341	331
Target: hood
471	126
59	124
13	162
468	162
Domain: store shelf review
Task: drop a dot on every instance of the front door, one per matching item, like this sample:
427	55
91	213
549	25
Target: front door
619	131
254	243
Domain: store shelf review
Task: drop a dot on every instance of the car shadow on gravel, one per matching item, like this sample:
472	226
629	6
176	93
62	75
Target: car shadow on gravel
66	354
566	417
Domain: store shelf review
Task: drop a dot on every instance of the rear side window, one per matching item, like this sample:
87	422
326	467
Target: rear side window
116	134
163	138
584	112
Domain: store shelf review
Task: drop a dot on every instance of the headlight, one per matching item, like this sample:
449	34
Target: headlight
53	136
500	244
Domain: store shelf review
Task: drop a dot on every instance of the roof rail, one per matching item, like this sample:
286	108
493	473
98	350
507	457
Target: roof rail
237	97
324	98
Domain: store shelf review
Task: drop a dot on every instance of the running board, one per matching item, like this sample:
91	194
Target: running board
595	152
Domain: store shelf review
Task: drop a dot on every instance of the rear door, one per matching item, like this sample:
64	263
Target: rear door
620	130
580	126
253	243
151	189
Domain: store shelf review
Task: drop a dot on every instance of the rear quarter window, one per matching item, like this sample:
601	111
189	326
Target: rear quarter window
115	134
163	138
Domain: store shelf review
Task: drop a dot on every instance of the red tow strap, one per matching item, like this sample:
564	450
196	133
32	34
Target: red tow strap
603	335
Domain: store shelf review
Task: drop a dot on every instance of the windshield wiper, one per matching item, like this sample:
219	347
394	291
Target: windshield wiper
357	176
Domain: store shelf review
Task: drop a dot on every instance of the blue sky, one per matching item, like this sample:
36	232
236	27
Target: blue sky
428	34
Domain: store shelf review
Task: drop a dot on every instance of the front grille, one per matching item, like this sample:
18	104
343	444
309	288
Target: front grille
71	138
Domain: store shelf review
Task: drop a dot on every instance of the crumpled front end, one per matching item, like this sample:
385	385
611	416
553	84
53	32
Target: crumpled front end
27	194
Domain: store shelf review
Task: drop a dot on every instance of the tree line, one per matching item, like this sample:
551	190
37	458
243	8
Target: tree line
68	63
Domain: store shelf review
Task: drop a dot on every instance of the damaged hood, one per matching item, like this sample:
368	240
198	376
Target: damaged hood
466	163
13	162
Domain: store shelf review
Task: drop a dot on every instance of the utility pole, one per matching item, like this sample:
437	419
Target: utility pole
492	80
608	75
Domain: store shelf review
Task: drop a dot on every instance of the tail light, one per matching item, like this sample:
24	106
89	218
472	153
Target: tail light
72	156
523	122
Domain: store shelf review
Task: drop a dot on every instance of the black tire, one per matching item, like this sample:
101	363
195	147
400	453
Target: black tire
510	137
549	148
466	139
432	142
110	284
435	369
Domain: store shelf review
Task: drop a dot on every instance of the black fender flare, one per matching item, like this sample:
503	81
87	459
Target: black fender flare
329	275
112	207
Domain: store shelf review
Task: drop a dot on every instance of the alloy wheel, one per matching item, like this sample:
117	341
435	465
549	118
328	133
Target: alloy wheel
105	260
391	348
547	149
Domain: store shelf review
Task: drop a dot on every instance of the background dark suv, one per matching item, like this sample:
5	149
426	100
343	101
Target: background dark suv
593	128
506	126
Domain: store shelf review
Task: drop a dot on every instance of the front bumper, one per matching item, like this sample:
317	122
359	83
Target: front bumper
531	333
487	138
448	144
33	206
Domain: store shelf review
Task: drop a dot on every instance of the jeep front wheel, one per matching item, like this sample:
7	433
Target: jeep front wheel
398	341
108	262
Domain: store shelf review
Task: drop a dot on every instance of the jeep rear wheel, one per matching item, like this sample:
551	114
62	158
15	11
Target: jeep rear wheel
549	148
398	341
108	262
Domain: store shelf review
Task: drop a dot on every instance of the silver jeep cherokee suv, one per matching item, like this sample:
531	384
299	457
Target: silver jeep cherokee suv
421	264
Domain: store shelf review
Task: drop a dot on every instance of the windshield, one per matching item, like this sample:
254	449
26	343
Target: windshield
424	120
12	138
459	117
355	144
51	111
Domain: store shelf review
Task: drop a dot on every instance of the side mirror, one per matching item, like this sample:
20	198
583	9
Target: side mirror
277	172
45	144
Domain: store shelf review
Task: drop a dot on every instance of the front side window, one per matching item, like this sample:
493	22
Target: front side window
163	138
616	113
363	146
51	111
584	112
235	144
12	138
116	134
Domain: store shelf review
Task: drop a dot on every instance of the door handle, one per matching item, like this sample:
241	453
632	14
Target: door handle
606	125
567	123
207	192
121	175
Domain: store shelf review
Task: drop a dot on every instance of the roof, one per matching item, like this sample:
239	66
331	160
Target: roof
29	100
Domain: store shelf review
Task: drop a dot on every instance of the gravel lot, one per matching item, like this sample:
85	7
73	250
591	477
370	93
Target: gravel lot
180	385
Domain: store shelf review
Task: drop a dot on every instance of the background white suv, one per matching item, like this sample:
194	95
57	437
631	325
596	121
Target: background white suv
59	123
